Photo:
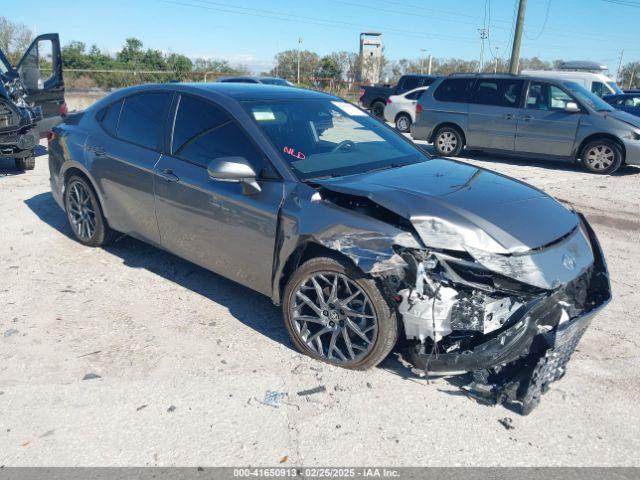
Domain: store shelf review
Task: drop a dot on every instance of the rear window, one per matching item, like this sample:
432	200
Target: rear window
498	92
453	90
142	118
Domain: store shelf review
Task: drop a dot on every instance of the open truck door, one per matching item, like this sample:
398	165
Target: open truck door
40	69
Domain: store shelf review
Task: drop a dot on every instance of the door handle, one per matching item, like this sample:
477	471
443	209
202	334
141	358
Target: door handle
527	118
168	175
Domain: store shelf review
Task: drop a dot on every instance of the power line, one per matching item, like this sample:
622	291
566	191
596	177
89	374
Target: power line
626	3
544	24
287	17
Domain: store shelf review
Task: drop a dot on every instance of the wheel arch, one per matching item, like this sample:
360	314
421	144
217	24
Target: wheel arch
79	170
403	113
450	125
599	136
305	251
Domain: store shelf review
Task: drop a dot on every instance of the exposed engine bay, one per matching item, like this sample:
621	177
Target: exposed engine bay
509	318
18	119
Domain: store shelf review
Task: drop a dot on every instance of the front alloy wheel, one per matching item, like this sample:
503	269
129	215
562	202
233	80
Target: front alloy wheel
335	314
601	156
448	142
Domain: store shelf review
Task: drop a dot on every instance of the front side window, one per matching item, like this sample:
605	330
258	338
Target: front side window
498	92
203	132
543	96
453	90
143	117
585	96
320	138
599	89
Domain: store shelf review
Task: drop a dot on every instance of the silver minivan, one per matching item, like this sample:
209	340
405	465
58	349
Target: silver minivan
527	116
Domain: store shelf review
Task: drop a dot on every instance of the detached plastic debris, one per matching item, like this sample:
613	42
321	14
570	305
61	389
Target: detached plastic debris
274	398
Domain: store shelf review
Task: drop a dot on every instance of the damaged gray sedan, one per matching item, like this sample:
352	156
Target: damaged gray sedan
366	241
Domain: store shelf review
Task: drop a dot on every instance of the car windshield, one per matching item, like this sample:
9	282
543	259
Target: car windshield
330	138
275	81
614	86
589	98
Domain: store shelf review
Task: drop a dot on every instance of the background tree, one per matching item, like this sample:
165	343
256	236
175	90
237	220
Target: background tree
15	38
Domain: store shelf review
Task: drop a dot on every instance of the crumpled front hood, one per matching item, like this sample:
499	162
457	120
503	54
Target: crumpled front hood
453	205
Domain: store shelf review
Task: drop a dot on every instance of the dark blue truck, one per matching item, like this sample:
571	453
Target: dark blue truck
375	97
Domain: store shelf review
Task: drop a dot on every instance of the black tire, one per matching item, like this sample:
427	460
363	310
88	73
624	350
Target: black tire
403	123
102	234
387	323
26	163
601	156
377	109
448	142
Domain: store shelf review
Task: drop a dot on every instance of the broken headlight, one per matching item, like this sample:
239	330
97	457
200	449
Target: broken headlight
8	116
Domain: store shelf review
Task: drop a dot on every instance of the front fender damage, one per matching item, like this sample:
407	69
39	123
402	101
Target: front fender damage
511	321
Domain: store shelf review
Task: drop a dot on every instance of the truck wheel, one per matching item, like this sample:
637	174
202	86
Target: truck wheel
377	109
448	142
403	123
336	314
601	156
26	163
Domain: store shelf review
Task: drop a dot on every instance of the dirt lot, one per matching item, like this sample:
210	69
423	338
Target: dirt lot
127	355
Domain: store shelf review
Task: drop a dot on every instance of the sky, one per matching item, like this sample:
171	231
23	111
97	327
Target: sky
251	32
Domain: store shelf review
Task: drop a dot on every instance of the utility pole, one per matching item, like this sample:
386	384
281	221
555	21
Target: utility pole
484	34
620	66
429	68
422	50
299	46
517	39
495	68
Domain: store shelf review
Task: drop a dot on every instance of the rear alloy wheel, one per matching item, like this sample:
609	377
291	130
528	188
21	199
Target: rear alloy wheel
334	313
84	214
448	142
26	163
377	109
403	123
601	156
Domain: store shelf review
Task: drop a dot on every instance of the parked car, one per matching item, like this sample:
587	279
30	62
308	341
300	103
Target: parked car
401	109
31	99
374	98
627	102
597	83
361	236
523	115
266	80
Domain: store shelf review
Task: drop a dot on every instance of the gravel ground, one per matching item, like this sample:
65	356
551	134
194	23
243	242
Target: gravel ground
127	355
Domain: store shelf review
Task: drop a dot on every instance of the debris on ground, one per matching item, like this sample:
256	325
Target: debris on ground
11	331
273	398
284	459
507	423
91	376
172	408
90	353
141	407
312	391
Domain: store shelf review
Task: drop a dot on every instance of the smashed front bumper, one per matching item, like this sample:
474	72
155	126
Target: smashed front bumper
518	362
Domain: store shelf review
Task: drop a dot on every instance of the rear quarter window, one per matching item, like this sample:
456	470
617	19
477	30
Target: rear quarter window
453	90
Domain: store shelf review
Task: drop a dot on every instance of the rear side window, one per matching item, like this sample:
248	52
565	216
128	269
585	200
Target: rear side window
453	90
426	81
142	118
109	118
498	92
414	95
204	132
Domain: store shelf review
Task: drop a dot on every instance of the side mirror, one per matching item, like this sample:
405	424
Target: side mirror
571	107
234	169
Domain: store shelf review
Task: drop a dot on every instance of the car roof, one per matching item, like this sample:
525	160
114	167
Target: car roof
500	76
237	91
